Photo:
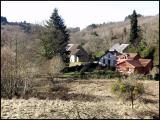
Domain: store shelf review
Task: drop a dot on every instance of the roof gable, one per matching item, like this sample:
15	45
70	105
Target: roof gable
119	47
134	63
144	62
74	49
128	55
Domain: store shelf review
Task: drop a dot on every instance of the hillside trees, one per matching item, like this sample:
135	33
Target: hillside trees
55	37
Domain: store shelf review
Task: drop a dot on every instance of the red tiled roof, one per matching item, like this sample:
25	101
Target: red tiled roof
120	61
134	63
129	55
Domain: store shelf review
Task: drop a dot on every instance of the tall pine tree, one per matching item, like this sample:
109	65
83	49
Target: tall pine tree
55	38
134	32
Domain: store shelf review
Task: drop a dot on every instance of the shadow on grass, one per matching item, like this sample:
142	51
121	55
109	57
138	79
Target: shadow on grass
152	113
84	97
60	90
62	95
147	100
149	93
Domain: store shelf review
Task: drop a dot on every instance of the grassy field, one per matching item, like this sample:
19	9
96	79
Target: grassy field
84	99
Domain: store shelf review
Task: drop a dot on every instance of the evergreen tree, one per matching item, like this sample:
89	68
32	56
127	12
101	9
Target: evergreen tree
55	37
3	20
134	32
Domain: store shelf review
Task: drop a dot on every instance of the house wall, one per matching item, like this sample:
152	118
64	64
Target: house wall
124	68
147	69
104	60
72	58
139	70
83	55
127	69
137	57
80	56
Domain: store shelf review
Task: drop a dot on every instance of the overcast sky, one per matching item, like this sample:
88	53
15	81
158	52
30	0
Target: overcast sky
76	13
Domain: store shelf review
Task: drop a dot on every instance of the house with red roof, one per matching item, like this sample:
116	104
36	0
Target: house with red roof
128	66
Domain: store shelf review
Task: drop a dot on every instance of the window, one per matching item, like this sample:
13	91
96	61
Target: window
114	62
108	55
109	62
103	61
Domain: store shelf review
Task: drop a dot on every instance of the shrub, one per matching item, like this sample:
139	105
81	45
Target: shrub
128	89
98	54
15	86
155	73
15	80
55	65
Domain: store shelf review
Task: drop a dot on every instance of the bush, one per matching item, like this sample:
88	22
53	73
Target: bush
15	80
55	65
128	89
15	86
155	73
98	54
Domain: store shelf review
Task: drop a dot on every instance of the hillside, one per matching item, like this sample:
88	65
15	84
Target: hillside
105	35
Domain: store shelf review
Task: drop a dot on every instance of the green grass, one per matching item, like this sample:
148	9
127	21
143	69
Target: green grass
74	64
93	74
70	74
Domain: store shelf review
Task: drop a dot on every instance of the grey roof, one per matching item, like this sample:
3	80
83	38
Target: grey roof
119	47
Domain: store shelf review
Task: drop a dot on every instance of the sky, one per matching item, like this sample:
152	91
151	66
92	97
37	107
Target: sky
76	13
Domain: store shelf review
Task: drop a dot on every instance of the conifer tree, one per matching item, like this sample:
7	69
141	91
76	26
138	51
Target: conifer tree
134	32
55	37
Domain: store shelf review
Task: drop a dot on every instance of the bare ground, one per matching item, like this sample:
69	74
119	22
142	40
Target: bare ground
84	99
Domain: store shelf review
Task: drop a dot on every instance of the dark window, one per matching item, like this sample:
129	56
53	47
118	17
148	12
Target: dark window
109	62
114	62
103	61
108	55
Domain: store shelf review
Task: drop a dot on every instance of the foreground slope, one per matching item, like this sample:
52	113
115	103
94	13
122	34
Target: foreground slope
85	99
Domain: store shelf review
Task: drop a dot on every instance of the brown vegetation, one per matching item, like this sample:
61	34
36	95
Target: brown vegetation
82	99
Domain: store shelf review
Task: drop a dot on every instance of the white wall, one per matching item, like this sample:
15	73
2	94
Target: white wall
72	58
77	60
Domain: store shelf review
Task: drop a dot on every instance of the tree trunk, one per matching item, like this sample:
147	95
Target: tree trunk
132	98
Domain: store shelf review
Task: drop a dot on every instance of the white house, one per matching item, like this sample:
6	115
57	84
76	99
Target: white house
110	58
77	53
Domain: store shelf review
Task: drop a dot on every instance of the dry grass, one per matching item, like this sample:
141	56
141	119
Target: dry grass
84	99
